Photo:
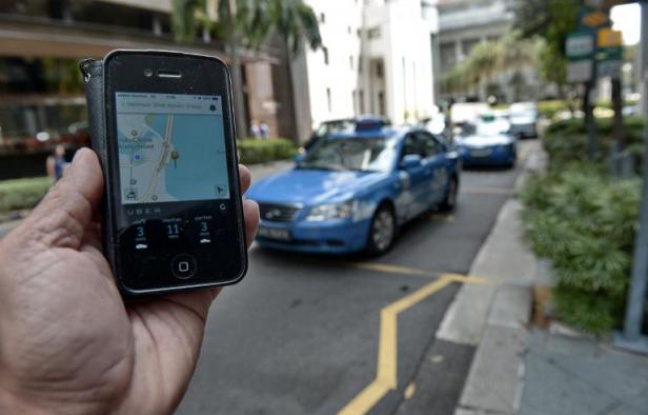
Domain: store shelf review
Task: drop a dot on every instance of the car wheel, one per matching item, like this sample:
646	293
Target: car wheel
450	199
382	231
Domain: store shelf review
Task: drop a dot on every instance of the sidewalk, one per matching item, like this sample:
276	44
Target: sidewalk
523	370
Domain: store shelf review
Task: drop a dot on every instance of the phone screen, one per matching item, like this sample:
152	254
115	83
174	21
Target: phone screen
171	149
174	203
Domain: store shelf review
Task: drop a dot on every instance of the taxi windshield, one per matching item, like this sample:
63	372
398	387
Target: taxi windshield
354	153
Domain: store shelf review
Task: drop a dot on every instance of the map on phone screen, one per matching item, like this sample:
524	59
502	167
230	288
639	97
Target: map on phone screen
171	147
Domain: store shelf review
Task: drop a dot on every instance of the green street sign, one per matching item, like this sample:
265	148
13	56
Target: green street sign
609	54
579	46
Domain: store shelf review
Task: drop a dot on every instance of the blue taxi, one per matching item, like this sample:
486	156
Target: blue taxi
353	190
487	142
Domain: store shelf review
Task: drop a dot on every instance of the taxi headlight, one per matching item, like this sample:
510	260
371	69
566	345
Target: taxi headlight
331	211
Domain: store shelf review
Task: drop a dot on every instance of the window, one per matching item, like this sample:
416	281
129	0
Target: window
349	30
379	70
326	56
381	103
322	18
468	45
413	144
361	99
373	33
351	62
448	56
360	64
328	99
432	146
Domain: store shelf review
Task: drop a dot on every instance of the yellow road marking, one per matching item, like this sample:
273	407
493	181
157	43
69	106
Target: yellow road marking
443	218
410	391
487	190
390	269
466	279
386	376
397	269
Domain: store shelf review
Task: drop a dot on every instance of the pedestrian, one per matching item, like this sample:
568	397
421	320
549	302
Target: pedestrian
56	164
69	342
256	129
263	130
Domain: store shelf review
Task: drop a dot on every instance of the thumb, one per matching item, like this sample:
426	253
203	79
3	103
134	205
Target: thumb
64	213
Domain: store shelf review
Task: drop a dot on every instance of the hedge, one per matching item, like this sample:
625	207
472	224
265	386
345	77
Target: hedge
585	223
259	151
26	193
22	193
566	141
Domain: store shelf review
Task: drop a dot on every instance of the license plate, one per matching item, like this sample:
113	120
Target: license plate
480	153
274	233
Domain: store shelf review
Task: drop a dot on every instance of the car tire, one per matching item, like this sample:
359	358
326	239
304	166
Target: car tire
382	231
450	199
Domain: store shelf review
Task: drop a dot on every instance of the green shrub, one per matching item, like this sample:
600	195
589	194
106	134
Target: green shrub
585	223
22	193
548	109
260	151
566	141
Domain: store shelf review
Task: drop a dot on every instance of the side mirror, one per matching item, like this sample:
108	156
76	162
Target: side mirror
410	161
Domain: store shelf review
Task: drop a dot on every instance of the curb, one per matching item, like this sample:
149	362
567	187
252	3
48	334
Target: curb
499	325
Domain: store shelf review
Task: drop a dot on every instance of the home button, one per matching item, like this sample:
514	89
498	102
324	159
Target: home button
184	266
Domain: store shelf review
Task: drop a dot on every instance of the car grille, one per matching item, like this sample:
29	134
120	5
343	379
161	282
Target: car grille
277	213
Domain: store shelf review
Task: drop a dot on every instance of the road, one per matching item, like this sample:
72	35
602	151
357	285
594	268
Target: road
308	335
327	335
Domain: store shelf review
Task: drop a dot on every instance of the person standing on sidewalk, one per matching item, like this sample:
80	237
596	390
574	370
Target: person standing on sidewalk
56	164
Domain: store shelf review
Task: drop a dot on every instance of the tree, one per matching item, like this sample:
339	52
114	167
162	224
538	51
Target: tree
246	24
551	21
508	55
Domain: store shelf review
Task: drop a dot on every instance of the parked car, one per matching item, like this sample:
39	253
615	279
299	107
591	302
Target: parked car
523	117
353	191
487	142
345	125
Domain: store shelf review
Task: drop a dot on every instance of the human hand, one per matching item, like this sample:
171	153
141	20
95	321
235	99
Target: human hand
68	343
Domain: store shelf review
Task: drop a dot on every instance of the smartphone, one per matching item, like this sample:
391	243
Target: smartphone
174	217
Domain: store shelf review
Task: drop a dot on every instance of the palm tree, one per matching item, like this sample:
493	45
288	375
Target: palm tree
246	24
482	63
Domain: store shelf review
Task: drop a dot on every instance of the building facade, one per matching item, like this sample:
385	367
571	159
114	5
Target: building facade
463	24
41	91
376	59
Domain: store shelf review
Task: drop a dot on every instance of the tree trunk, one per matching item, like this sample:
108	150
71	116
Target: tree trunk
237	79
291	94
238	94
590	122
617	106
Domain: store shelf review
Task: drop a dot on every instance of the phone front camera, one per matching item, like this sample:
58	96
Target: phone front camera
148	73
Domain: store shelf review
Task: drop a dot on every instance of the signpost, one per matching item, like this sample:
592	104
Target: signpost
631	337
594	51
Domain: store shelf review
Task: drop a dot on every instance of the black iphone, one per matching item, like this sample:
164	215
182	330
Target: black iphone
173	216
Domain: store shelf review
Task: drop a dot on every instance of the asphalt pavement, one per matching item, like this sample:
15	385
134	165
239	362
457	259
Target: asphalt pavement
322	335
332	335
